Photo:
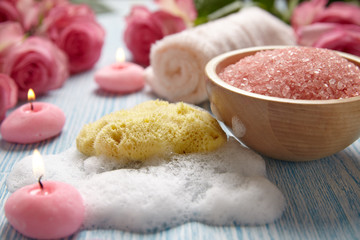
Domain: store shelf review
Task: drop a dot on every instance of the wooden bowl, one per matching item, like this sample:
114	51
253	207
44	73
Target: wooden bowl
285	129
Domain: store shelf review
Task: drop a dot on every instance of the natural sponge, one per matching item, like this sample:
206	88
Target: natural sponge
150	129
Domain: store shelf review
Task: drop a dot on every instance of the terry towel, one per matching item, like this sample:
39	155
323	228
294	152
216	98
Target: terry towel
177	61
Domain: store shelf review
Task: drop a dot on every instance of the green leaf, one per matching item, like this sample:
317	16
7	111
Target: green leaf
267	5
206	7
212	9
96	5
226	10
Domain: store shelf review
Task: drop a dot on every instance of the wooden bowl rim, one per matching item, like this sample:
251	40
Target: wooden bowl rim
211	66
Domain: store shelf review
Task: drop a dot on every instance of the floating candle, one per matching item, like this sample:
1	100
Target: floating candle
121	77
48	210
33	122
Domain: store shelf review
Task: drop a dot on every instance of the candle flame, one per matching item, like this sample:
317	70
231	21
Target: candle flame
31	95
38	164
120	55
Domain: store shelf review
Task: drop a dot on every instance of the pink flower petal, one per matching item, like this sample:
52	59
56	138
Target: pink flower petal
345	39
10	33
138	13
188	7
168	23
308	35
8	12
339	12
305	12
8	94
184	9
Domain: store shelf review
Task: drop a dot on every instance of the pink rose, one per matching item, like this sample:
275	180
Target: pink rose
336	27
27	12
144	28
36	63
8	11
74	29
8	94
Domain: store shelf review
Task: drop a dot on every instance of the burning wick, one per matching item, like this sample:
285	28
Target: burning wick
53	211
38	167
40	183
31	98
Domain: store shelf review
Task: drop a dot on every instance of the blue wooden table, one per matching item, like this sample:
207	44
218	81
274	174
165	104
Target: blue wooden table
323	196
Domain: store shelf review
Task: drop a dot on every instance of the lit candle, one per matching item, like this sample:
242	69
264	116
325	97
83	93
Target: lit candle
48	210
33	122
121	77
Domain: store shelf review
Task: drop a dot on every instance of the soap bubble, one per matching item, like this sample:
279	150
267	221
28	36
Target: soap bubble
223	187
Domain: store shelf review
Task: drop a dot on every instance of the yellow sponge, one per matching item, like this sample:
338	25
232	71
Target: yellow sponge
149	129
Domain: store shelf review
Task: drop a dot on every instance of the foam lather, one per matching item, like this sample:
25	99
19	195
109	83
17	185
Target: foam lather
224	187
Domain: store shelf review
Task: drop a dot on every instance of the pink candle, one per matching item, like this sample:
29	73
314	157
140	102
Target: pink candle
54	211
121	77
33	122
48	210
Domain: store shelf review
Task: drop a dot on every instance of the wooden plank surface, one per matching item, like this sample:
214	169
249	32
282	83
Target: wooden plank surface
322	196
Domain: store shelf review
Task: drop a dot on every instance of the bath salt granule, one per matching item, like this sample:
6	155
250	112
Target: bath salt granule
295	73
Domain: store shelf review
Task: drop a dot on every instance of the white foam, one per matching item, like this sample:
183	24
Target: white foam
238	127
223	187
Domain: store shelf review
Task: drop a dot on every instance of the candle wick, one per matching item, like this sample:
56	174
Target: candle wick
40	183
31	106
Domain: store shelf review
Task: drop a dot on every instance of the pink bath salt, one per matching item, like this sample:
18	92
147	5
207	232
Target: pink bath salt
295	73
26	125
54	212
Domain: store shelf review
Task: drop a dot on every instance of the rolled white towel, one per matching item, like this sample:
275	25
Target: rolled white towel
177	61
